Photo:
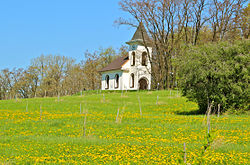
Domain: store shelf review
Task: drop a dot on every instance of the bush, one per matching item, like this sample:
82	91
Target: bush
216	73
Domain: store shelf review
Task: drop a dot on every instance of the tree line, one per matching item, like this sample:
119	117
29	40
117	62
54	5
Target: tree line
191	42
173	24
200	45
55	75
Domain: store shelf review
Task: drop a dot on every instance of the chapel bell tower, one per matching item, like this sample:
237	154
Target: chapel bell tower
140	53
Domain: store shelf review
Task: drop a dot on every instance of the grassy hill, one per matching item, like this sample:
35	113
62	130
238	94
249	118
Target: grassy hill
52	130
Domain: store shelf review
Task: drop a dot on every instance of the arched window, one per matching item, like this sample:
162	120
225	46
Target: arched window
133	59
107	82
144	59
132	80
116	81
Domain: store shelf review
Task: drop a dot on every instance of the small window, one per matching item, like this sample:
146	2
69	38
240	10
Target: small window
132	80
144	59
133	59
107	82
116	81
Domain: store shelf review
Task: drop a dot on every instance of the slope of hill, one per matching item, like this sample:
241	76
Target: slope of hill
150	127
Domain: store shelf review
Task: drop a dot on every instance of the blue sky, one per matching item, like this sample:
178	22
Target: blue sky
30	28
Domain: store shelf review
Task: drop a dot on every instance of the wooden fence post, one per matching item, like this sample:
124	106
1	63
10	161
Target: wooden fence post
117	116
80	108
208	124
185	154
84	124
218	115
41	112
208	117
27	104
140	105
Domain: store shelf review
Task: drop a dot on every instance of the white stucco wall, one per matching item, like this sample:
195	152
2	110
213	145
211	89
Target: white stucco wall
126	66
125	80
139	70
112	80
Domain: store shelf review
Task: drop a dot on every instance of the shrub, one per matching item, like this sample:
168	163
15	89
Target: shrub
216	73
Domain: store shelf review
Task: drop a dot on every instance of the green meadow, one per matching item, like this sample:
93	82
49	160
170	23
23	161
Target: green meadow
146	127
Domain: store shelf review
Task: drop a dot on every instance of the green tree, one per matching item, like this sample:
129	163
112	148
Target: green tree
216	73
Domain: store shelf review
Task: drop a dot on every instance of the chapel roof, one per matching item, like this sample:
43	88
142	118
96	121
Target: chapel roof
137	38
139	35
116	64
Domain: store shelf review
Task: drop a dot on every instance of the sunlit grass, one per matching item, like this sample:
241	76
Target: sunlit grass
54	133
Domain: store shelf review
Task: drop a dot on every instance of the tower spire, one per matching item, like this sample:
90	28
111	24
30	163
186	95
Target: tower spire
139	36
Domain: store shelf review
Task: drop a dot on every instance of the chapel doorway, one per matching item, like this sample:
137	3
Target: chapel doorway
143	84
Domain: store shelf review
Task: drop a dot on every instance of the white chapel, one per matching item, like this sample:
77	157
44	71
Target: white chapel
131	72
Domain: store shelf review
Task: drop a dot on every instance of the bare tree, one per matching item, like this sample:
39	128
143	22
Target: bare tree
165	22
224	17
171	23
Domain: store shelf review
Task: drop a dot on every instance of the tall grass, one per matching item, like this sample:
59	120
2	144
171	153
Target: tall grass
154	137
